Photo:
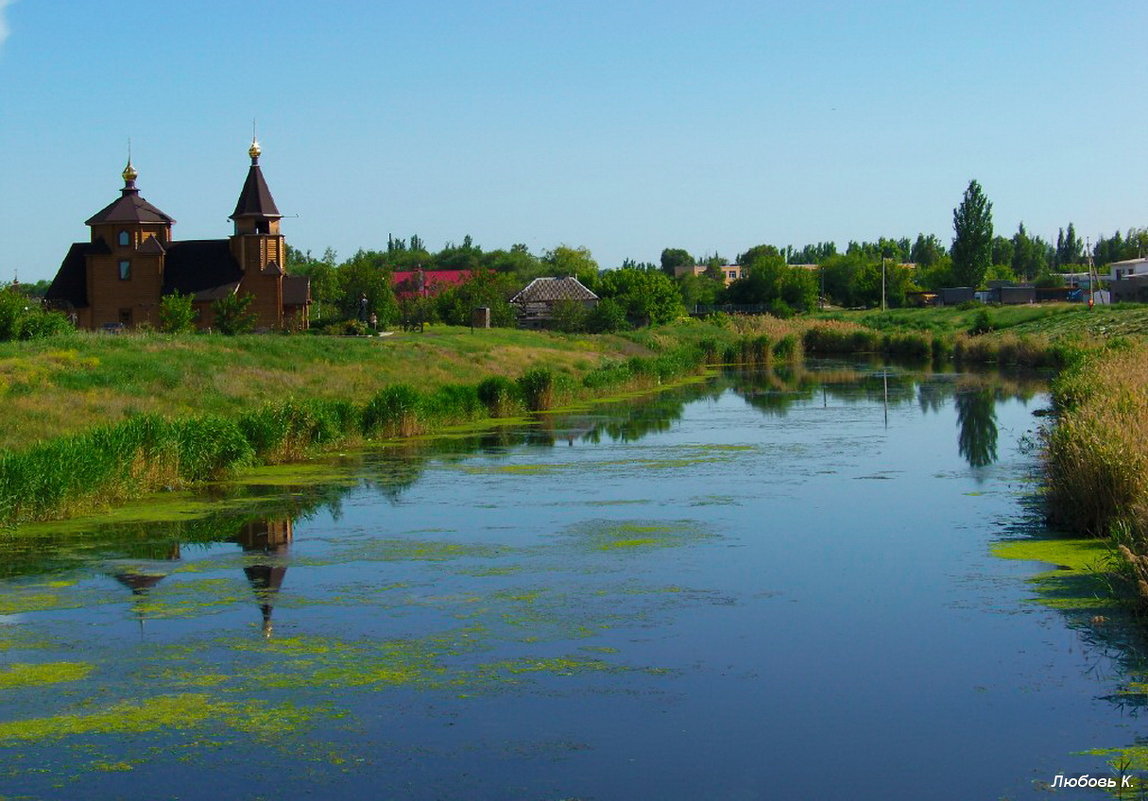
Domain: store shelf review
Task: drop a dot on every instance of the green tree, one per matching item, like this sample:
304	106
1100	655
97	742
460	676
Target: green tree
771	282
605	318
564	261
454	305
1029	255
570	316
518	261
22	317
647	296
177	314
1000	272
1069	249
1002	252
937	275
466	256
233	314
674	258
700	290
813	254
366	274
973	236
926	251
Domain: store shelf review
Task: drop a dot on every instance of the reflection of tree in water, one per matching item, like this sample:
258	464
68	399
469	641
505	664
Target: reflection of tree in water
932	395
977	419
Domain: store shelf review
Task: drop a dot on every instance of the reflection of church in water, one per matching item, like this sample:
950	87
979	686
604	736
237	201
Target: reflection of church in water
265	544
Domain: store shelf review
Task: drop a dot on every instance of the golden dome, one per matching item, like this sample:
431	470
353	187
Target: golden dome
129	172
254	150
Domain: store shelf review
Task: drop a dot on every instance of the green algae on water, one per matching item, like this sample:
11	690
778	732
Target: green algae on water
41	674
1067	554
636	535
181	712
1080	578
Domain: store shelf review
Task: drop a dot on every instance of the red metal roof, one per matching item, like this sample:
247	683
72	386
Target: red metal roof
406	282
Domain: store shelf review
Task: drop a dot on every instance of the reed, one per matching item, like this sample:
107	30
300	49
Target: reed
789	349
1097	454
537	389
832	337
500	396
914	346
453	404
291	430
395	411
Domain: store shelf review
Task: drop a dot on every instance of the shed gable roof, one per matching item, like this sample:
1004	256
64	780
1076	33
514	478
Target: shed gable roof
551	290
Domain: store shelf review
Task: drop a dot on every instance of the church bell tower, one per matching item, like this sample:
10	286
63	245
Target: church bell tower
258	246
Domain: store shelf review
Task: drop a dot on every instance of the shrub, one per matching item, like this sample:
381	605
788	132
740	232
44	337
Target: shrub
393	412
177	314
607	317
909	345
982	323
788	348
499	394
233	314
453	403
537	389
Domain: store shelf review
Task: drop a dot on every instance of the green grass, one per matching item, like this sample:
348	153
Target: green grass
1035	318
72	383
136	454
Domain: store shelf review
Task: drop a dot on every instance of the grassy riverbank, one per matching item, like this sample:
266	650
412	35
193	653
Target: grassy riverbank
69	384
94	419
115	418
1097	455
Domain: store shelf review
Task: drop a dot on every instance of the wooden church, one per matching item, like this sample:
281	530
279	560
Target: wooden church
119	276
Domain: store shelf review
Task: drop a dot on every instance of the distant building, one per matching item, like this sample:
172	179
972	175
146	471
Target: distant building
1130	289
1119	270
535	305
729	272
954	295
131	262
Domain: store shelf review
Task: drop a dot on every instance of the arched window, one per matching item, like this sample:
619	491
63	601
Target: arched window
125	239
125	270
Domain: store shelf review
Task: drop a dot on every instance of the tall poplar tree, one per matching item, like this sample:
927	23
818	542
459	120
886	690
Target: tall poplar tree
973	237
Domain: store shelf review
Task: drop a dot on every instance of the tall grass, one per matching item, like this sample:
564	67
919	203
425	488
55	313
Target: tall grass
394	412
146	452
500	396
1097	454
537	389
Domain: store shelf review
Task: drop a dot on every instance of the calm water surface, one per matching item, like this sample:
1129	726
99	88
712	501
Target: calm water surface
765	587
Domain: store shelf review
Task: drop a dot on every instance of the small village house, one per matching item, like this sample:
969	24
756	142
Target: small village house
535	305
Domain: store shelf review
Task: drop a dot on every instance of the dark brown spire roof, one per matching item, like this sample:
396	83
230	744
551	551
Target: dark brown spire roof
129	208
255	200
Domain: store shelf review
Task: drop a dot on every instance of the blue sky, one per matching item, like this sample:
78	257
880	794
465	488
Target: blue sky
621	126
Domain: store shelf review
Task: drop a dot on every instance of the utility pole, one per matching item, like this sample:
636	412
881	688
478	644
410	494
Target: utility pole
883	259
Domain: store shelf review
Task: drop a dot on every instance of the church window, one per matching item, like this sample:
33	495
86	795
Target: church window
125	239
125	270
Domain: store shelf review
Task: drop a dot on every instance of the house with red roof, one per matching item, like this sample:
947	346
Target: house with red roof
426	283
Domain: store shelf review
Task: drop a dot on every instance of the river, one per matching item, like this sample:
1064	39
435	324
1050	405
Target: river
773	585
